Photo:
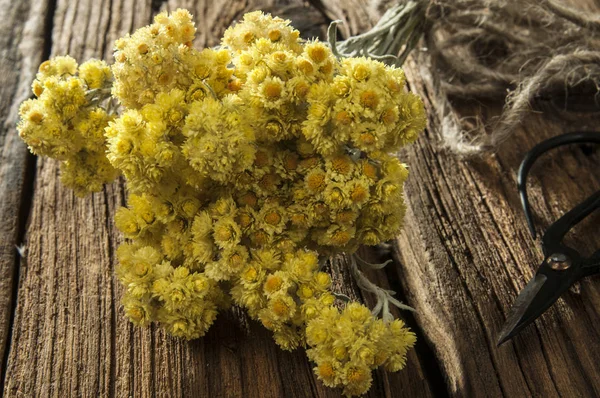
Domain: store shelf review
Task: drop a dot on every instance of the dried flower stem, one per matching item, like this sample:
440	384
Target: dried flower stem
384	296
397	32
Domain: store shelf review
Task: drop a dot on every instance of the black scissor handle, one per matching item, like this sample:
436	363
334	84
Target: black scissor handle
566	222
555	232
593	264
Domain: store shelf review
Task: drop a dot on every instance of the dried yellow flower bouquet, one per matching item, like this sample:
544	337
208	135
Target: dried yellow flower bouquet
246	165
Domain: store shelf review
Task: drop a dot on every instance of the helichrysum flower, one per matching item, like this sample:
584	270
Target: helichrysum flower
219	144
245	164
67	119
346	345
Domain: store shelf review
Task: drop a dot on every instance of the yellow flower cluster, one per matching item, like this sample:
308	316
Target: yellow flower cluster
66	121
186	302
347	345
160	57
245	165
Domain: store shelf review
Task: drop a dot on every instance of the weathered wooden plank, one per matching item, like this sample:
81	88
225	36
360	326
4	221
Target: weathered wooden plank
467	247
70	337
22	45
64	340
466	252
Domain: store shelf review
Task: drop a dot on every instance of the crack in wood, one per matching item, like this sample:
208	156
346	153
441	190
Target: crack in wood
21	257
106	41
156	5
424	350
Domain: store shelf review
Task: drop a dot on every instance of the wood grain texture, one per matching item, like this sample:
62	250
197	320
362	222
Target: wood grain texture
70	337
465	253
22	44
63	338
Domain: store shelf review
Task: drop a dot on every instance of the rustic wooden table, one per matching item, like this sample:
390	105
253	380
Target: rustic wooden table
464	254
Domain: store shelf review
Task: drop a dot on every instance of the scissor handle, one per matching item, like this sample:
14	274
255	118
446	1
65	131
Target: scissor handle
534	154
593	266
556	232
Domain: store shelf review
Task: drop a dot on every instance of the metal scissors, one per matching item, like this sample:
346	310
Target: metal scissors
562	265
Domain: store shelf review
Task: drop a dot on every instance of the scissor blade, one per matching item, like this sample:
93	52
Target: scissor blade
522	312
